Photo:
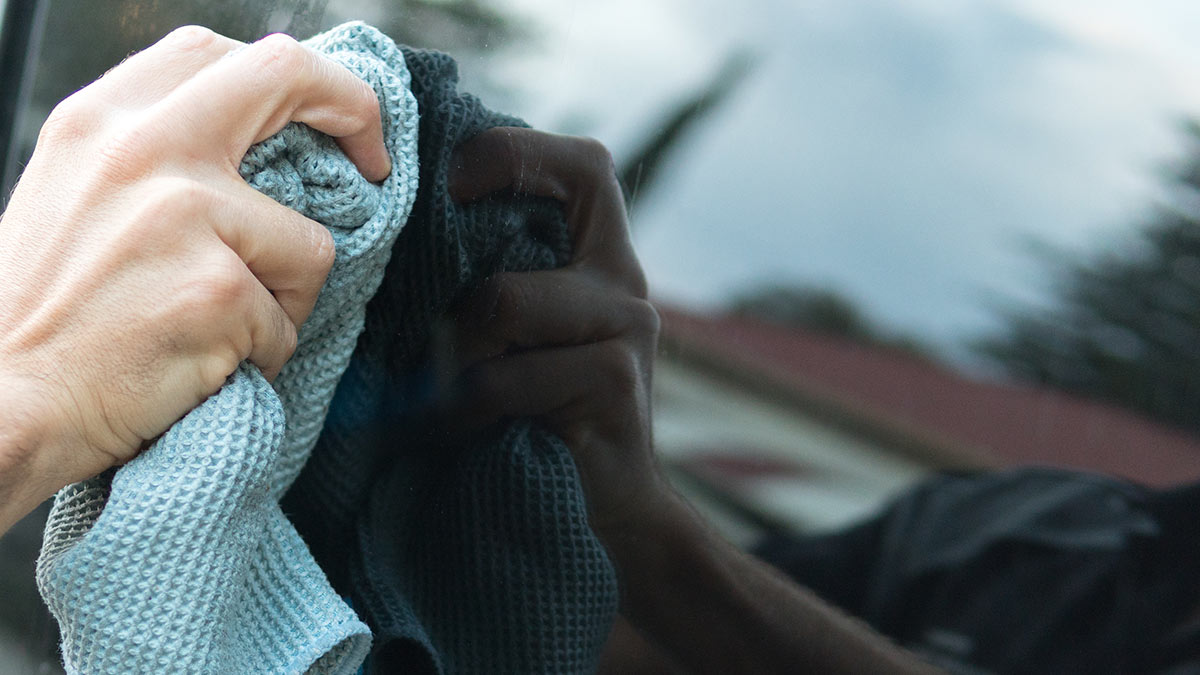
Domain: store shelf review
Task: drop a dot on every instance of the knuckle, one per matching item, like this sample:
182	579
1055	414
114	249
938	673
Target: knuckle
222	290
594	157
216	365
288	338
128	152
618	367
644	319
280	54
190	38
504	143
324	250
71	120
184	195
636	280
171	203
506	296
366	104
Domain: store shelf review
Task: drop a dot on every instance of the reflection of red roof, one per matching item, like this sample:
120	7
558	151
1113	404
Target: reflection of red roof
988	422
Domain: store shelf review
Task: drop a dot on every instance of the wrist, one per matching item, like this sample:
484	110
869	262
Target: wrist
656	546
26	471
644	515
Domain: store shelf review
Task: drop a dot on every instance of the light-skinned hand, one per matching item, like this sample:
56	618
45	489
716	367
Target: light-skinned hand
137	268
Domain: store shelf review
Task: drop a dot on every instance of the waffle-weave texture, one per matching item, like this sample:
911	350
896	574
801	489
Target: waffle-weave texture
468	556
182	560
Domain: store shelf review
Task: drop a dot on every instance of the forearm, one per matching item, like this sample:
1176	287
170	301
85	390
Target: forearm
717	609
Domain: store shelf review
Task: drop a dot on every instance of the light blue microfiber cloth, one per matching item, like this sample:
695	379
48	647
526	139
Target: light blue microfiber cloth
182	561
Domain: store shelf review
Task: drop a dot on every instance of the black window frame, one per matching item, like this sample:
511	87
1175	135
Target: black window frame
20	41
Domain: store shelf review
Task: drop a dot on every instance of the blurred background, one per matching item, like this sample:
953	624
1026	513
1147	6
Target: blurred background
887	237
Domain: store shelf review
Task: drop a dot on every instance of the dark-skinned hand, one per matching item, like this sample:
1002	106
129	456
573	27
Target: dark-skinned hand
574	346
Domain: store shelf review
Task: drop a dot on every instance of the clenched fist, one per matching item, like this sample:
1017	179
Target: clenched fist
137	268
574	346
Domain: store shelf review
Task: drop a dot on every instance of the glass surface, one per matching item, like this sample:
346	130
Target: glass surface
940	200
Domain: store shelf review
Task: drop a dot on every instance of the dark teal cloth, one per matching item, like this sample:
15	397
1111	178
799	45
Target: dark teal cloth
469	557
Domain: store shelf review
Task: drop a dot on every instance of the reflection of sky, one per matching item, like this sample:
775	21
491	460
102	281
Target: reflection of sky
904	152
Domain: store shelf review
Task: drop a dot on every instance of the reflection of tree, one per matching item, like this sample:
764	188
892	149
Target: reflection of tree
1126	324
821	310
639	171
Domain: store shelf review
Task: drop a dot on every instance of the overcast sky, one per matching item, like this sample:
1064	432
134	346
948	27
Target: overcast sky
905	152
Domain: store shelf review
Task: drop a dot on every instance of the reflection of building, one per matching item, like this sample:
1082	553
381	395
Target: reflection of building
769	426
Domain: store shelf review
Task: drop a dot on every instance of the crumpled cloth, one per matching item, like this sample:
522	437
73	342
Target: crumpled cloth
470	556
182	560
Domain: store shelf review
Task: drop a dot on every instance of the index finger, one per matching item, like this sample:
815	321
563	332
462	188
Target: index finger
253	92
576	171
